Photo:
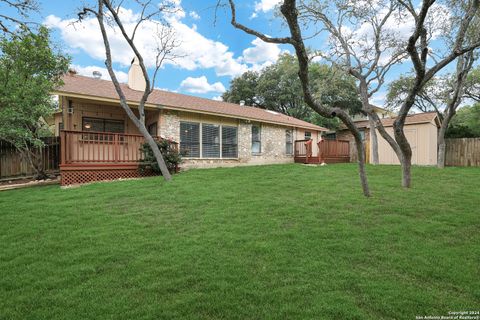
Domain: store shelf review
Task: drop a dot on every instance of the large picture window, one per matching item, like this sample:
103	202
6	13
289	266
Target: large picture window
190	139
210	141
289	142
229	142
103	125
256	139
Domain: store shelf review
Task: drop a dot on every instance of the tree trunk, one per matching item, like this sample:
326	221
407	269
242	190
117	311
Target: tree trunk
441	145
373	141
35	159
441	153
156	151
369	109
360	149
406	153
361	166
406	172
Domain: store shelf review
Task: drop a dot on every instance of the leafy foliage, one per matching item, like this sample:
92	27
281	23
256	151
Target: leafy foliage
436	93
466	123
277	87
170	152
29	71
243	88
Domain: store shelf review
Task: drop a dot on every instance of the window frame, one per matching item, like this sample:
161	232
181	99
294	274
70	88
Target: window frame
190	143
259	141
309	135
213	145
200	140
153	125
84	119
289	141
229	144
362	134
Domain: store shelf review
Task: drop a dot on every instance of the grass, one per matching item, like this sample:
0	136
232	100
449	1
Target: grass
272	242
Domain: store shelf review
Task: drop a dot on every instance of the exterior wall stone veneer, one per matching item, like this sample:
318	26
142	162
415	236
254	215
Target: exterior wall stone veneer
273	143
170	125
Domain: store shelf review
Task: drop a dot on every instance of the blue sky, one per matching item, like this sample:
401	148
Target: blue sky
212	53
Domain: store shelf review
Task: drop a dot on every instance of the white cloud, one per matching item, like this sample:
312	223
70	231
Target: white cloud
217	98
194	15
201	85
88	71
195	50
266	5
261	52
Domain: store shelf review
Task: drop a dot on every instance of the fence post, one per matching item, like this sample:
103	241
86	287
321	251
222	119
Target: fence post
116	149
63	145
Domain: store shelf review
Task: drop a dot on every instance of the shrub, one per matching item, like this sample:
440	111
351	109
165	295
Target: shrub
170	152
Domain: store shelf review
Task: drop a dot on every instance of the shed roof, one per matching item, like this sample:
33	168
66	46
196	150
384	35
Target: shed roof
424	117
97	88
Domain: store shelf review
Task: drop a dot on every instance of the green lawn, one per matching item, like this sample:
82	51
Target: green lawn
271	242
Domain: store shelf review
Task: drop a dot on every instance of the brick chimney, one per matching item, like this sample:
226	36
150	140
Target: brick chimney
136	80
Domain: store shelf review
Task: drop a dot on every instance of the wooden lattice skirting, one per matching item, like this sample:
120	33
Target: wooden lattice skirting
81	175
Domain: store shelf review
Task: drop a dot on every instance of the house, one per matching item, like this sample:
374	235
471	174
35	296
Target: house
421	130
99	142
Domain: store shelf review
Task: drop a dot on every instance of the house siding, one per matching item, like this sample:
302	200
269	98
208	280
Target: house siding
273	136
86	108
273	143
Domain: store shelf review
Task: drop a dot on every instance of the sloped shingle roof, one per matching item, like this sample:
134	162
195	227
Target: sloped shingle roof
81	85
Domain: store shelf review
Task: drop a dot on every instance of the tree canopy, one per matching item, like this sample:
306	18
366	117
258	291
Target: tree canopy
466	123
436	93
278	88
29	71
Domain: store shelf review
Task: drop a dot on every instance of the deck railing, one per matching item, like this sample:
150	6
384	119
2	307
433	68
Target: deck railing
328	151
333	149
303	148
87	147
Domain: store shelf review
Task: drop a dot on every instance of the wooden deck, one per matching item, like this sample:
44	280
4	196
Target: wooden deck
329	151
88	156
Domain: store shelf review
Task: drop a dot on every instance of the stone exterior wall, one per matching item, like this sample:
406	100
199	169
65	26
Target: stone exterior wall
169	125
273	143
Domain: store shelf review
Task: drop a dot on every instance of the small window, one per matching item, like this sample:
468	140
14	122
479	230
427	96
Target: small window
330	136
190	139
210	141
362	134
114	126
308	135
229	142
289	142
103	125
152	129
256	139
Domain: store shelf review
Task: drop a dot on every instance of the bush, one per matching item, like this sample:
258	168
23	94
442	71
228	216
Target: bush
170	152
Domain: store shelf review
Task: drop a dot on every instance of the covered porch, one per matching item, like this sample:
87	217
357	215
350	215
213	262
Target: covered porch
88	156
99	142
327	151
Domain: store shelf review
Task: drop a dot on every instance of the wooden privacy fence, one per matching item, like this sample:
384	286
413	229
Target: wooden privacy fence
462	152
13	164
